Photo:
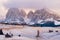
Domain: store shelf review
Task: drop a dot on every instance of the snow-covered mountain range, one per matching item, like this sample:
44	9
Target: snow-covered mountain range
16	16
42	15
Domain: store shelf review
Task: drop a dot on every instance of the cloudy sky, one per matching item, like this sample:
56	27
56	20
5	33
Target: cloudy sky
4	4
32	3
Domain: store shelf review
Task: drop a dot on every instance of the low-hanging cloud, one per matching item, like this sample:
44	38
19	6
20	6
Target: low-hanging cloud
4	4
33	3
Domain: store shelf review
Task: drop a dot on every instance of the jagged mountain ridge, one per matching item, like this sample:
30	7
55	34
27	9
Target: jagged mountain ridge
46	13
43	14
14	15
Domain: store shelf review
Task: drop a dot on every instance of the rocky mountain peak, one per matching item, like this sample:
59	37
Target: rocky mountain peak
30	14
15	16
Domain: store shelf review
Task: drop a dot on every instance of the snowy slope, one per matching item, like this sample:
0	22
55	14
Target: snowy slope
57	37
29	33
15	16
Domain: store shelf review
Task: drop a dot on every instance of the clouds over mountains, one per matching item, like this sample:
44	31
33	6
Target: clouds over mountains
36	4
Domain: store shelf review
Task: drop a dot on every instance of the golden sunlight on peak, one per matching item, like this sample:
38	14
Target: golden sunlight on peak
28	9
3	12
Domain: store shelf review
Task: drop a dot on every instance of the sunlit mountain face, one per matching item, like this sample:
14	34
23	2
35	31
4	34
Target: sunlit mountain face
28	9
4	11
29	16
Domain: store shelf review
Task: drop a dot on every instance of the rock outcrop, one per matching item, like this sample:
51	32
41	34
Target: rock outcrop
43	14
15	16
32	17
46	13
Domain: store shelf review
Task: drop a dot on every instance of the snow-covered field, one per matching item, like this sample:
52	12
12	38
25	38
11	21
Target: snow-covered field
30	33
